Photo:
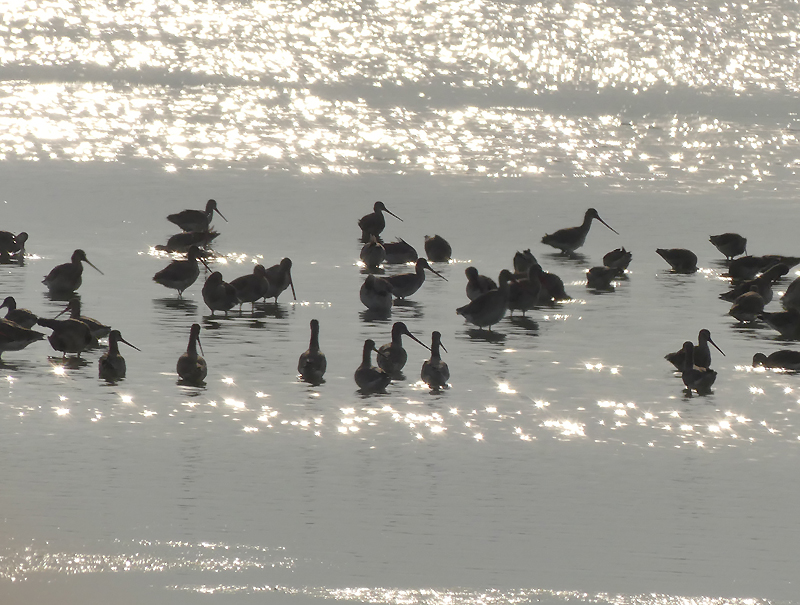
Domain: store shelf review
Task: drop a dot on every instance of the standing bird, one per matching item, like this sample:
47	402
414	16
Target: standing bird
180	274
435	372
374	223
523	293
478	284
748	306
312	363
218	294
13	244
251	287
729	244
14	337
696	378
369	378
21	317
601	278
376	294
68	336
373	254
196	220
552	287
111	364
98	330
570	239
191	367
405	284
181	242
489	308
618	259
400	252
785	322
392	356
785	359
701	353
763	284
523	261
790	298
680	259
437	249
67	278
279	278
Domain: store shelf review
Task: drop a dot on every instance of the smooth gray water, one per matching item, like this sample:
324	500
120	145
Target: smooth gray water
564	464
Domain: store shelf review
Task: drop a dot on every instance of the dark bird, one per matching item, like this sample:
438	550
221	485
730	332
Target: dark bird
696	378
279	278
98	330
729	244
369	378
191	367
400	252
701	353
218	294
523	261
180	274
374	223
489	308
437	249
376	294
196	220
570	239
373	253
435	372
601	278
21	317
406	284
392	356
251	287
13	337
68	277
763	284
68	336
785	322
523	292
312	363
748	306
680	259
478	284
181	242
618	259
785	359
111	364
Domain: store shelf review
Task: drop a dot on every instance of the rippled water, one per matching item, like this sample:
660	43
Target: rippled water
564	464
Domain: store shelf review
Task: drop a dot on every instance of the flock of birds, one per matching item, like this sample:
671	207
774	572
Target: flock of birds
526	288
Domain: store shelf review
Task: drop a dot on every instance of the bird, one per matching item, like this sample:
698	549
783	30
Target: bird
680	259
729	244
571	238
279	278
373	253
369	378
695	378
478	284
435	372
12	247
376	294
786	322
98	330
21	317
523	261
192	368
13	337
68	277
601	278
180	274
523	292
312	363
374	223
746	267
218	294
488	308
196	220
701	353
68	335
406	284
111	364
399	252
392	356
785	359
763	284
251	287
437	249
790	298
552	287
618	259
181	242
748	306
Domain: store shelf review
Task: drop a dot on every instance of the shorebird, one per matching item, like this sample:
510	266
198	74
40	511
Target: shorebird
373	253
748	306
374	223
601	278
369	378
552	287
435	372
400	252
98	330
570	239
196	220
312	363
729	244
180	274
13	245
478	284
181	242
488	308
785	322
680	259
191	367
523	261
21	317
376	294
68	336
763	284
251	287
696	378
785	359
279	278
437	249
701	353
14	337
392	356
405	284
111	364
791	298
67	277
523	292
218	294
618	259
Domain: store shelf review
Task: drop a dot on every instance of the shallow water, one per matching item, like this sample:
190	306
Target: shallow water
564	464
